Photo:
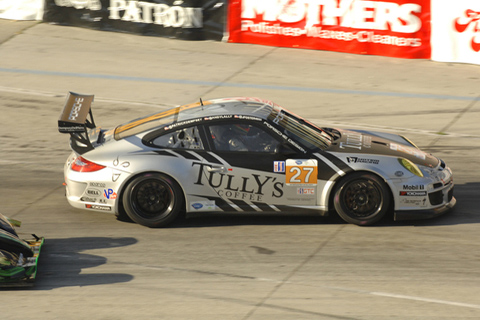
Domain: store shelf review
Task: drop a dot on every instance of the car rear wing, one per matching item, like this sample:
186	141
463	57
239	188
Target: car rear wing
75	121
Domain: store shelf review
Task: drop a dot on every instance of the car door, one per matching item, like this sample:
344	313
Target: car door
182	154
251	172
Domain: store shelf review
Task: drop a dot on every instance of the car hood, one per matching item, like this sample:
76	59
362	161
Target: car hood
382	144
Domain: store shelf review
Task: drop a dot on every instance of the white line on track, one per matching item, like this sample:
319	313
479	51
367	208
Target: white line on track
451	303
27	162
317	121
357	291
57	95
364	126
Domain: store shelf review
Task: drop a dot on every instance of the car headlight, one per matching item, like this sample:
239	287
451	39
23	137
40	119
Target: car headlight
410	166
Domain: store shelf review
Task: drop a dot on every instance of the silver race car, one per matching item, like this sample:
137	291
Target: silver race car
247	156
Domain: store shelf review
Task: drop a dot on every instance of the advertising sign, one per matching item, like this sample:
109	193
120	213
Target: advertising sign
396	28
182	19
456	31
21	9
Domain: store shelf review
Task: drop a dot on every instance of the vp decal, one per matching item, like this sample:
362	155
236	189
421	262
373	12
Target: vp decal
109	194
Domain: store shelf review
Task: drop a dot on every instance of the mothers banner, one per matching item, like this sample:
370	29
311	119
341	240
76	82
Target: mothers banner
396	28
447	31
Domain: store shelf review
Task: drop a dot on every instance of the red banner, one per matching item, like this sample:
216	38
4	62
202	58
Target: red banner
396	28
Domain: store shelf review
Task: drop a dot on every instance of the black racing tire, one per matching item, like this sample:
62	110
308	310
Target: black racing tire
362	198
153	200
122	215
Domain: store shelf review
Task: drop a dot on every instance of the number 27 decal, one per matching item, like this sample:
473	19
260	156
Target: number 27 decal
301	172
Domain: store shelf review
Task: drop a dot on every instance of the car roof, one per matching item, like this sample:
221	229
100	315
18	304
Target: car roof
228	106
245	106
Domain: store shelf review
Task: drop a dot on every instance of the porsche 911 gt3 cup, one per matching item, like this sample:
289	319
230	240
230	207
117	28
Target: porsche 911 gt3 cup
246	156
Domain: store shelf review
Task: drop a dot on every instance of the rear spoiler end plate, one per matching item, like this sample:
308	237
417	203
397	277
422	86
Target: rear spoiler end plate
77	120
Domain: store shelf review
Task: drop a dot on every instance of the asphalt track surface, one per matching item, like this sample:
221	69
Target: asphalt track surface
95	267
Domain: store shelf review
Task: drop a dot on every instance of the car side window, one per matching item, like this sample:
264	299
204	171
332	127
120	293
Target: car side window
187	138
242	137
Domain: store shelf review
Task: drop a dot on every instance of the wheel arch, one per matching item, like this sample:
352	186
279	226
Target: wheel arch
120	208
339	179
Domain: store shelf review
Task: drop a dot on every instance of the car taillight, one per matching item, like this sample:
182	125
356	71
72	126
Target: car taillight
83	165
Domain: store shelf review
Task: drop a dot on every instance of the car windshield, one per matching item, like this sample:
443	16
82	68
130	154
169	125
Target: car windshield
300	130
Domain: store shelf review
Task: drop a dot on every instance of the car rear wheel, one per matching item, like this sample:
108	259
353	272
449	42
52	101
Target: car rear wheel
153	200
361	199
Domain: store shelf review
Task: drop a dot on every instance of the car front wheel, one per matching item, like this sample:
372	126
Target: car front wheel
153	200
361	199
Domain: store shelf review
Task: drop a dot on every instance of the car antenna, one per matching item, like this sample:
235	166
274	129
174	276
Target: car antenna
201	102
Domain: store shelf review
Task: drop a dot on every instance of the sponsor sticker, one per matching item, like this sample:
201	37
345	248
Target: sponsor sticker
415	202
182	123
362	160
301	172
87	199
77	106
93	192
71	129
413	187
208	205
413	193
247	118
218	117
97	207
109	194
278	166
197	206
306	191
251	187
354	140
98	184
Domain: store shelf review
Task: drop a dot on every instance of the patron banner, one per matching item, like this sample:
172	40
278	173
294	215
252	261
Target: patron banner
183	19
396	28
456	31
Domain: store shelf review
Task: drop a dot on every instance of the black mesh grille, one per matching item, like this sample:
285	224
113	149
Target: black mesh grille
436	197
